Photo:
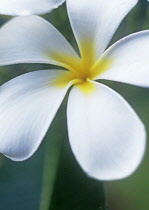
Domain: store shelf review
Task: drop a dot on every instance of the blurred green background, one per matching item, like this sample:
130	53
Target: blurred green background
21	182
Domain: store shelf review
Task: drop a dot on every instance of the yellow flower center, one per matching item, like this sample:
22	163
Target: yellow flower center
81	70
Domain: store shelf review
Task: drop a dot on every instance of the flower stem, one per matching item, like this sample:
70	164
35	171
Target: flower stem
51	161
103	197
49	173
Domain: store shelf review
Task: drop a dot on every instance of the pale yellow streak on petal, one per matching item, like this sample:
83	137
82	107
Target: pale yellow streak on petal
63	80
67	78
102	65
88	56
66	61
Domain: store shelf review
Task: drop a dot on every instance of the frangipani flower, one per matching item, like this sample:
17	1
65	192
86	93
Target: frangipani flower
106	136
28	7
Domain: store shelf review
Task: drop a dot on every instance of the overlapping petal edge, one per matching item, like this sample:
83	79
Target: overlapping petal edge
28	7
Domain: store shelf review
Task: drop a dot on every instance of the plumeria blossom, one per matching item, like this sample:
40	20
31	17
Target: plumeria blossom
28	7
106	135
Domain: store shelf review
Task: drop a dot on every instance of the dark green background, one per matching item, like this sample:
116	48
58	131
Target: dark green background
20	182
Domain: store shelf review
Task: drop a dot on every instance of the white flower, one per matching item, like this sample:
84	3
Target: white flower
106	136
28	7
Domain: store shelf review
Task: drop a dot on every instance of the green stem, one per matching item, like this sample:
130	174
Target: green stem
103	197
52	154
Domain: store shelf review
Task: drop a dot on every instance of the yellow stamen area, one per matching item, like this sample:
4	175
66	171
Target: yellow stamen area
81	70
86	87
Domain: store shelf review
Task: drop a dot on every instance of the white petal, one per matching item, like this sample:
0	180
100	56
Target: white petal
34	40
129	60
28	7
106	136
27	107
97	20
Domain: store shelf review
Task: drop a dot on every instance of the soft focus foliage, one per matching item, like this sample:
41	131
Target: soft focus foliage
20	183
